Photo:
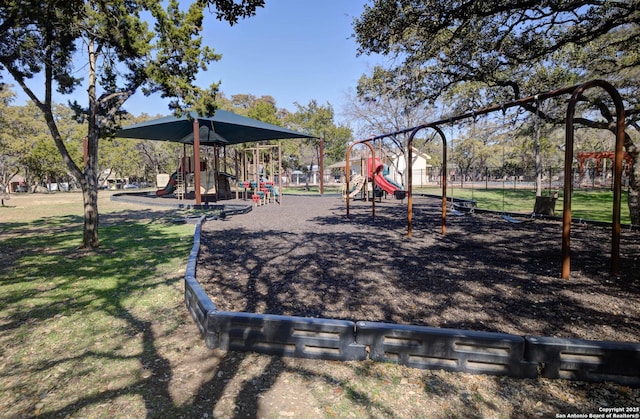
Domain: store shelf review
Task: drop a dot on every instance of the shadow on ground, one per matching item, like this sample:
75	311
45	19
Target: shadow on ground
106	332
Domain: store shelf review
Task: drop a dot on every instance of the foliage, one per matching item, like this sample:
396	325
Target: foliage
477	53
262	108
318	120
29	149
440	45
128	46
8	158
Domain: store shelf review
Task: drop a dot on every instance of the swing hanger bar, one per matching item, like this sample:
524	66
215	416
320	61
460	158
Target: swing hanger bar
490	109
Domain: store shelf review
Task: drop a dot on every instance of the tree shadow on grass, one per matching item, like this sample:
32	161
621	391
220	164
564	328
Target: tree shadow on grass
109	295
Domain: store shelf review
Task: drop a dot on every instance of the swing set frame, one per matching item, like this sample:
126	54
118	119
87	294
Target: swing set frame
576	93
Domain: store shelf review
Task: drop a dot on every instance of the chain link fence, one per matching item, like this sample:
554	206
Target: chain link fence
552	178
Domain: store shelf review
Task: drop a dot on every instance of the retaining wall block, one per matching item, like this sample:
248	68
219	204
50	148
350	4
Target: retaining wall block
577	359
448	349
285	335
198	303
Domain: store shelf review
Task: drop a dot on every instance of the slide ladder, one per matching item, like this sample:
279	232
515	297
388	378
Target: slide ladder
180	185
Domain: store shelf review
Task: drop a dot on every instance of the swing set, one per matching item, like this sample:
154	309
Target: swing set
529	103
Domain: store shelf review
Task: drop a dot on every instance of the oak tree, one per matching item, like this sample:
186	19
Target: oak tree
480	53
121	47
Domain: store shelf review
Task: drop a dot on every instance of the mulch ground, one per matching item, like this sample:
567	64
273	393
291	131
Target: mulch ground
306	258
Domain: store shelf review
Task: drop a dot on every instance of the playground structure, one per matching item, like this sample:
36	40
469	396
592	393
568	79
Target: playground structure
220	130
374	180
262	176
255	170
380	173
171	184
214	185
599	157
533	103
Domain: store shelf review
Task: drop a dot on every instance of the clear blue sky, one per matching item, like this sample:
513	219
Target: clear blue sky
293	50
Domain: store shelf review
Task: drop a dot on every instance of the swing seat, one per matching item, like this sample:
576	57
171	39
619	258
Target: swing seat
512	220
460	213
465	206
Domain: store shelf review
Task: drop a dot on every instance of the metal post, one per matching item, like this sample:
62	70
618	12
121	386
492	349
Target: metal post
196	157
280	192
617	182
321	163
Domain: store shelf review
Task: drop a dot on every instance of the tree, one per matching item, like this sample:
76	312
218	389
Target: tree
379	111
27	147
9	157
318	120
476	53
129	46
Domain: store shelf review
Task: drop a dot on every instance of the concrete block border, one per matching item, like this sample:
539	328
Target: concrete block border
414	346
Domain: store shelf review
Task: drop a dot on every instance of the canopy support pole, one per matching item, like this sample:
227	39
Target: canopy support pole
280	192
237	173
196	158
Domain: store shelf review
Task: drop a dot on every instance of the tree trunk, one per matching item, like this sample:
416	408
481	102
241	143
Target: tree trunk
91	214
634	179
634	189
538	164
90	178
89	184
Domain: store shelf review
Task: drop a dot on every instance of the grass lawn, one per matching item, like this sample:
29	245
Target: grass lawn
595	205
80	326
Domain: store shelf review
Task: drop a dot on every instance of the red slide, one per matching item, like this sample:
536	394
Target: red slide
381	181
171	185
385	185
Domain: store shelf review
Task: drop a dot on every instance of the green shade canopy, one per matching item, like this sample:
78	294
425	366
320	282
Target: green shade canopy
223	128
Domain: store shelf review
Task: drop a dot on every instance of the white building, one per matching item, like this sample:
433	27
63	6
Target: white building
421	168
